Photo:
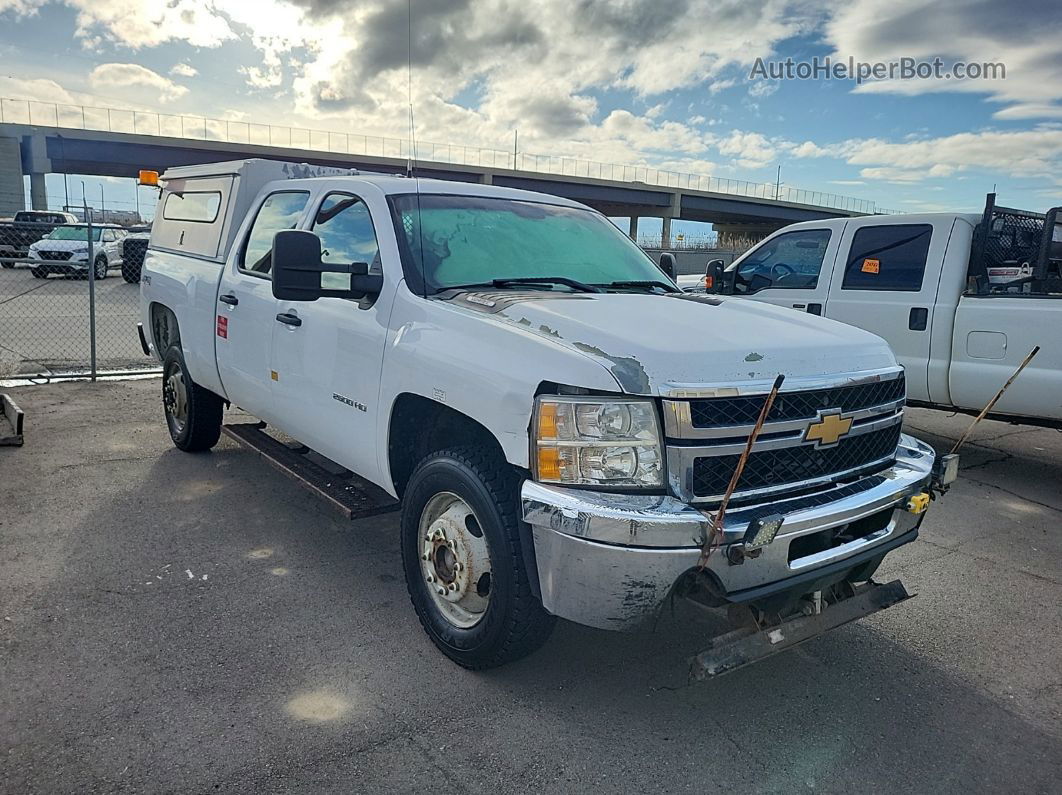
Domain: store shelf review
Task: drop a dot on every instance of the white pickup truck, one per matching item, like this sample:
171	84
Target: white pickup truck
521	376
961	298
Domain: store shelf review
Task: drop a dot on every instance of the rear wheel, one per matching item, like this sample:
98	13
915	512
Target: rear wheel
464	563
193	414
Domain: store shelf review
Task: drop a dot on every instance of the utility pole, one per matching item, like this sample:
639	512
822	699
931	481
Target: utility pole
778	182
103	206
516	138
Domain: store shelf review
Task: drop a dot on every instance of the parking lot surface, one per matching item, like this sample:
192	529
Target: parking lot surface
191	623
44	323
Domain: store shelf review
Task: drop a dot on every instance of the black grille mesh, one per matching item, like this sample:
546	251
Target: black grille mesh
716	412
56	256
711	474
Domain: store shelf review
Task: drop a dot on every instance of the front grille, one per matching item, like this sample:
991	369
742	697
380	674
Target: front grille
56	256
745	410
792	465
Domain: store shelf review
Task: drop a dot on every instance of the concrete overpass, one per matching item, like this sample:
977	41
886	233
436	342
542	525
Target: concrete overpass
733	207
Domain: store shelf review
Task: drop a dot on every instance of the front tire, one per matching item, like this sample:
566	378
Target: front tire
100	268
39	273
131	273
464	563
193	414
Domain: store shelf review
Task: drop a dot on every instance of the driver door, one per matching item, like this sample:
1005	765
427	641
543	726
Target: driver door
792	269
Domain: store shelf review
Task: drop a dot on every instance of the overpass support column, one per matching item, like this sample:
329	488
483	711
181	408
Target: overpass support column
634	228
37	163
675	211
12	189
38	192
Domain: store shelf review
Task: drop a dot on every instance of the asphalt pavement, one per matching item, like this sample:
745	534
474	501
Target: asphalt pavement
194	623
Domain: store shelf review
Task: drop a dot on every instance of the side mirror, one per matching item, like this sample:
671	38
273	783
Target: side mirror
299	274
713	276
667	264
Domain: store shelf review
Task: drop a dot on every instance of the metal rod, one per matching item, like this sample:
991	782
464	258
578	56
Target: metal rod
92	287
993	401
716	530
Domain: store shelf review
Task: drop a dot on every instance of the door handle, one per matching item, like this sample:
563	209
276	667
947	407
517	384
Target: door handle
918	319
229	298
289	319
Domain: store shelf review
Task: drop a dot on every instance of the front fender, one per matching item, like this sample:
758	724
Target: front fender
486	369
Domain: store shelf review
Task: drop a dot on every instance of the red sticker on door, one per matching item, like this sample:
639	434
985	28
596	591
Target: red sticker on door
223	327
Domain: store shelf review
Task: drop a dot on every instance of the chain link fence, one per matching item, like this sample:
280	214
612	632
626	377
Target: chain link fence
69	298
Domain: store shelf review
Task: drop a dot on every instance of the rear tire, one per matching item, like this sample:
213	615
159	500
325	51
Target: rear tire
513	622
193	414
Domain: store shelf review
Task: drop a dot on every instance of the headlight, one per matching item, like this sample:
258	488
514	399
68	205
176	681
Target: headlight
589	441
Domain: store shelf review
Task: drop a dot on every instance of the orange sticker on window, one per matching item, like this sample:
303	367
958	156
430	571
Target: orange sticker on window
871	266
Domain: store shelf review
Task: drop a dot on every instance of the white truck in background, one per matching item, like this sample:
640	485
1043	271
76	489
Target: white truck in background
518	374
961	298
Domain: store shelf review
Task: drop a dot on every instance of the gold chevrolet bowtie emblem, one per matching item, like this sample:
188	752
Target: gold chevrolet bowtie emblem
828	430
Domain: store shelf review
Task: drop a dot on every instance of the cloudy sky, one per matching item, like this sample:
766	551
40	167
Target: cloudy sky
660	82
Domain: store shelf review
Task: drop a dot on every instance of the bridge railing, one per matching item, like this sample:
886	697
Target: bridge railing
87	117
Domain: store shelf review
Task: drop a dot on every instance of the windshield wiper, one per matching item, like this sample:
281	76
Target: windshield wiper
647	284
576	285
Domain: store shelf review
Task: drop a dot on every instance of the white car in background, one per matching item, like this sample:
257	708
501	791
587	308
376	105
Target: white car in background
65	250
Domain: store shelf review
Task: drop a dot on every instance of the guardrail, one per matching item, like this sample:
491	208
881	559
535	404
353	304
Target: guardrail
87	117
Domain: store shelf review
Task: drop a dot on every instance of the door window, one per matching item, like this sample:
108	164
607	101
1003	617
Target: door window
344	225
278	212
790	261
888	258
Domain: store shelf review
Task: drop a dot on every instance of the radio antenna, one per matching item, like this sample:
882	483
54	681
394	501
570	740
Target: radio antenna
411	161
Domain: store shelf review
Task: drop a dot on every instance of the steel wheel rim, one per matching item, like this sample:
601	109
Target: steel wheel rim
454	560
175	399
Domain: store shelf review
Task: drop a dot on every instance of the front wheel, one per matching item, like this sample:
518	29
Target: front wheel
7	264
464	563
100	268
193	414
39	273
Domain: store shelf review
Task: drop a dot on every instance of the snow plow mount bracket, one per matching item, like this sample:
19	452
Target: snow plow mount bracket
747	645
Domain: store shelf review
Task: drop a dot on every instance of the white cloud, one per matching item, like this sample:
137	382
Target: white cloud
183	70
1025	39
126	76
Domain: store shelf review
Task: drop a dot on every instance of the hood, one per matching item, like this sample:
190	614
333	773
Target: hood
651	343
63	245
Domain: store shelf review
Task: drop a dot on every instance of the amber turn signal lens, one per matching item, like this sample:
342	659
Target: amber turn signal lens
547	421
549	463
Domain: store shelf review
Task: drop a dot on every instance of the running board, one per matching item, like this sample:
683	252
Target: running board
745	646
11	417
352	496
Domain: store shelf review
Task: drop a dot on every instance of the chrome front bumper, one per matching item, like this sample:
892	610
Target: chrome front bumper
610	560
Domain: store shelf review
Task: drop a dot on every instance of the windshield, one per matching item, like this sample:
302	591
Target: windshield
474	239
73	233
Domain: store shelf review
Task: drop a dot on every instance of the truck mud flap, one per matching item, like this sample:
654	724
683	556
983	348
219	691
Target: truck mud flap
11	417
742	647
352	496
